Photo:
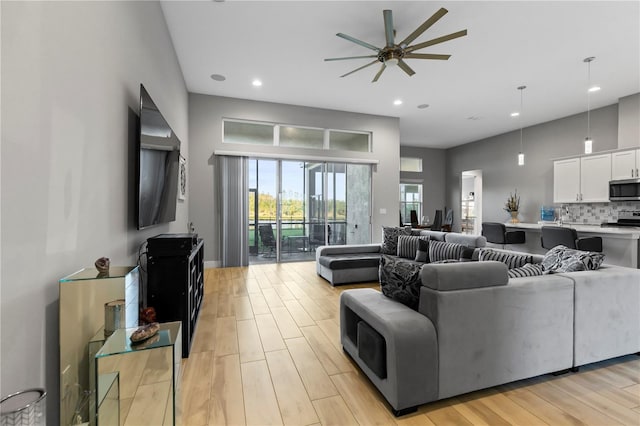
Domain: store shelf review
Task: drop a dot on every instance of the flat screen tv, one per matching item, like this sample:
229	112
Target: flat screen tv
157	166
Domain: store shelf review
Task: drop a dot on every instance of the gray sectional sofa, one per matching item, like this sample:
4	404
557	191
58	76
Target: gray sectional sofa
344	264
476	328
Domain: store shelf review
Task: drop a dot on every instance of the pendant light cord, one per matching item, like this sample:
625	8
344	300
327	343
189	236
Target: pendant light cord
589	99
520	116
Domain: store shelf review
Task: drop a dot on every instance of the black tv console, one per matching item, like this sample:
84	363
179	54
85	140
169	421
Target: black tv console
175	281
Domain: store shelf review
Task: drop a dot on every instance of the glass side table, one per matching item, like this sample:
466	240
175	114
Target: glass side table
149	375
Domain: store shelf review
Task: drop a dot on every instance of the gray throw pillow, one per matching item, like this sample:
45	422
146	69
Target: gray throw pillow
440	250
528	270
400	280
422	254
563	259
390	238
512	260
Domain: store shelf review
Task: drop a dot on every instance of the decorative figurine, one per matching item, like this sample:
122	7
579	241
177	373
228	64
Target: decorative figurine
144	332
102	265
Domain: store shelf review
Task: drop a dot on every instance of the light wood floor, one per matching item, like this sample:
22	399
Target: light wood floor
267	351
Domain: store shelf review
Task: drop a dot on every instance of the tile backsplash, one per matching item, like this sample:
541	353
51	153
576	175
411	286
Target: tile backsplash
596	213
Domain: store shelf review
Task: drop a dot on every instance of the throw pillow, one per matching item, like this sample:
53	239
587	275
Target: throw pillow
408	246
400	280
512	260
527	270
563	259
422	254
440	250
390	238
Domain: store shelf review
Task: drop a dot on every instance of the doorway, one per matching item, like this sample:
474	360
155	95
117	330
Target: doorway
297	206
471	202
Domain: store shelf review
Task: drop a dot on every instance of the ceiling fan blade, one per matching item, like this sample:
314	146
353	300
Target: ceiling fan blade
406	68
382	68
425	25
351	57
360	42
358	69
436	41
388	27
425	56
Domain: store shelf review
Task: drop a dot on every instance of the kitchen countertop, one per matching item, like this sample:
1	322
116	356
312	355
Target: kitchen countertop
632	232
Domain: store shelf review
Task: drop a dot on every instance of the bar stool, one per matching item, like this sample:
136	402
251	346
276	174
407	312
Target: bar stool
497	233
557	235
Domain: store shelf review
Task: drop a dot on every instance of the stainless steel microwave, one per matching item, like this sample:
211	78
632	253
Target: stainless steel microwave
624	190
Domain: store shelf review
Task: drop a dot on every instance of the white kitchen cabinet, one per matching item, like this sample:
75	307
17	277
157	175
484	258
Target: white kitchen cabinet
595	174
582	179
566	180
625	164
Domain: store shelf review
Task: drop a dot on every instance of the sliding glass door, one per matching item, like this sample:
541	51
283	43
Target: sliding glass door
297	206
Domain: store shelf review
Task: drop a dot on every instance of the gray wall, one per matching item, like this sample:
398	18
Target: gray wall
432	177
629	121
70	92
497	158
205	128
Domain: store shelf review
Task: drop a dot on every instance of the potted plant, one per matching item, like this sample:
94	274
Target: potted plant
513	205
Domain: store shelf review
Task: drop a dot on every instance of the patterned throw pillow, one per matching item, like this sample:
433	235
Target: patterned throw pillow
527	270
390	238
408	246
400	280
422	254
563	259
512	260
440	250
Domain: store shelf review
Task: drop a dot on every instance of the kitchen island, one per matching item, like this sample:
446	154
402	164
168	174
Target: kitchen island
620	244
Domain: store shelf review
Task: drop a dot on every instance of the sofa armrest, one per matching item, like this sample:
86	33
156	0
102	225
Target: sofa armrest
347	249
464	275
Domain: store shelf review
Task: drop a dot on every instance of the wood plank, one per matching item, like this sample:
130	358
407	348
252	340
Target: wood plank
333	411
226	307
507	409
620	396
315	379
196	388
252	286
249	343
295	405
331	329
287	326
209	304
145	409
332	360
570	404
272	298
366	408
314	310
259	304
205	336
300	316
476	404
441	413
269	333
226	336
243	308
283	292
226	405
549	413
260	402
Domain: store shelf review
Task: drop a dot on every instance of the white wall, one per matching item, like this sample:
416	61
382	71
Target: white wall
205	129
70	92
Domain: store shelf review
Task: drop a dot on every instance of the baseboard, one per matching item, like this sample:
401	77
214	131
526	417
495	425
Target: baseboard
212	264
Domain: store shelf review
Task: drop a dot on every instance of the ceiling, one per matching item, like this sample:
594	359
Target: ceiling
470	96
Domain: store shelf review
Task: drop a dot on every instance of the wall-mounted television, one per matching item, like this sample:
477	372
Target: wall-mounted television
158	158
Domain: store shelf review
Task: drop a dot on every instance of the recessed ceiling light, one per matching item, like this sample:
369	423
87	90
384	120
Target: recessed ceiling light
423	106
594	88
257	83
218	77
515	114
397	102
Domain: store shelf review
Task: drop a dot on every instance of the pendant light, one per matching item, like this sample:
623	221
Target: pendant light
588	142
521	153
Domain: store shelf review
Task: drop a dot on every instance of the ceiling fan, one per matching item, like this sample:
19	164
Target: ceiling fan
394	54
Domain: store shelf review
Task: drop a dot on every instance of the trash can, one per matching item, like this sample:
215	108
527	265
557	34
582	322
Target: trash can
24	408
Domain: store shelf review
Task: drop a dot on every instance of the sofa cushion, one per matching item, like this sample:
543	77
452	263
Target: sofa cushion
512	260
349	261
464	275
390	238
439	250
422	254
400	280
563	259
527	270
408	246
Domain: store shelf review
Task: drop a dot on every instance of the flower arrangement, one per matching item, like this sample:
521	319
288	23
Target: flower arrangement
513	202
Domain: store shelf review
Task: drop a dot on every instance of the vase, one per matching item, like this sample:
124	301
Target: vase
514	217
